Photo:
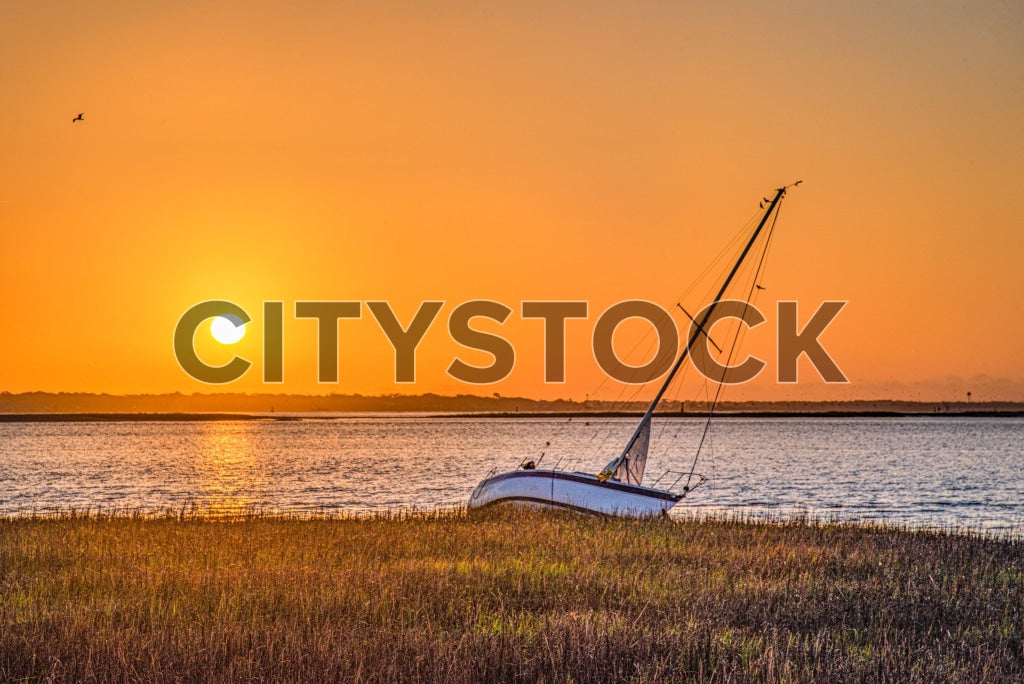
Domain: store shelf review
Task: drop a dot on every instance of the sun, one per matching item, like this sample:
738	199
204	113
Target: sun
227	329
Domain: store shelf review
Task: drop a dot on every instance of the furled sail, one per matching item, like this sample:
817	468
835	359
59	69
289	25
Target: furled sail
630	467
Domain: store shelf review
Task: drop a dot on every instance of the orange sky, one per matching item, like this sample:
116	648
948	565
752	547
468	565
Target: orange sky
407	151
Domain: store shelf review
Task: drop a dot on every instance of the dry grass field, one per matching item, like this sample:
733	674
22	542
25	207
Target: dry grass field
502	596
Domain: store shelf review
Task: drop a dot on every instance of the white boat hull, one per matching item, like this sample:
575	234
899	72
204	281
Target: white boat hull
615	496
575	491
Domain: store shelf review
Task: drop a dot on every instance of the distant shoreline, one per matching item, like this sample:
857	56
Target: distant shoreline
1017	413
286	417
234	406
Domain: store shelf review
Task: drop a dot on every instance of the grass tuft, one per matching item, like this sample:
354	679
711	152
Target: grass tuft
502	595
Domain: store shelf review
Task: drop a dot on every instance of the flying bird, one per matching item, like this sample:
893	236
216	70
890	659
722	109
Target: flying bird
759	287
78	118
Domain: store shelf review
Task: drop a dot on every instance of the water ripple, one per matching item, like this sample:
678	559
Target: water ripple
932	471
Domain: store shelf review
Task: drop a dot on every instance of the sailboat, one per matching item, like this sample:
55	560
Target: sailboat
618	488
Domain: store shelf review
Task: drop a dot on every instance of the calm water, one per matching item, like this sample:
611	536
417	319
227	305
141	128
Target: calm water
964	472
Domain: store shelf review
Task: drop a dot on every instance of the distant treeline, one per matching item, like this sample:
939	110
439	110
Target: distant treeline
80	402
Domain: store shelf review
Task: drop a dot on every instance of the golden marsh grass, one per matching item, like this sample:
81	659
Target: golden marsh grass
502	596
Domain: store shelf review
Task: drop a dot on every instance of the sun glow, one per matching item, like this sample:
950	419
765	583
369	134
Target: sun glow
504	154
227	329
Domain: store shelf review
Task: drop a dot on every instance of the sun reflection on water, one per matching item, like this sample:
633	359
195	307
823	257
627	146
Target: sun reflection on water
918	471
229	475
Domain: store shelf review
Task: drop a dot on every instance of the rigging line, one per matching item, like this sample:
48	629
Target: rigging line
712	285
603	429
711	411
730	248
779	194
663	426
715	265
646	337
650	336
698	326
727	249
762	272
547	445
675	393
618	403
718	267
711	450
629	392
627	395
762	264
732	351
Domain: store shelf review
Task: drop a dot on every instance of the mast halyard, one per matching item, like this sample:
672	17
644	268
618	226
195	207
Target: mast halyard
698	330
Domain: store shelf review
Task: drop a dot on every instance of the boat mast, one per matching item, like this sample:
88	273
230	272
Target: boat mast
699	328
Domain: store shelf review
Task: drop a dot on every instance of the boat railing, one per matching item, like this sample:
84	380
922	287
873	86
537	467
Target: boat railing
679	475
661	477
479	488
